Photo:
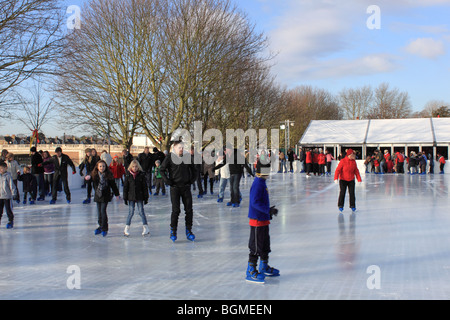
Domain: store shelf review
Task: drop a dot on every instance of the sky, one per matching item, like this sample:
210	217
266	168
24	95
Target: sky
334	45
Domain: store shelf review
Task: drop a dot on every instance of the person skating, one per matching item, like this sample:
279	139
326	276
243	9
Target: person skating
103	182
29	185
236	164
8	191
345	174
135	193
260	214
441	160
179	176
61	162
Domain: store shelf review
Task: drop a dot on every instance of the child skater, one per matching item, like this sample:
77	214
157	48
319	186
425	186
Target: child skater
117	169
29	185
260	213
345	175
103	182
157	178
135	194
8	191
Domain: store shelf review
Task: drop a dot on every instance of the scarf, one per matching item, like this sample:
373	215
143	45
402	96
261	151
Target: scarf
134	174
103	183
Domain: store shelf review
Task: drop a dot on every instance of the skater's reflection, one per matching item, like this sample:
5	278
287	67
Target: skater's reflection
347	248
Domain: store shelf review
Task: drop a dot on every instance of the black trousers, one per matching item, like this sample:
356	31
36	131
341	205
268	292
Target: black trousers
343	189
183	193
56	179
235	180
259	243
8	206
102	215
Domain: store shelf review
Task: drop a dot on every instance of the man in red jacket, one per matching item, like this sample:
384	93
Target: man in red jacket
345	174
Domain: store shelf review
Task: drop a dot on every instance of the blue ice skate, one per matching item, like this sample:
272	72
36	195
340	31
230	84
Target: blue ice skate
10	225
87	201
173	234
354	209
341	209
253	275
267	270
52	201
220	200
189	235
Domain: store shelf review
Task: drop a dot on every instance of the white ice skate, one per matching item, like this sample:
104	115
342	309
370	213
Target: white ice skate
126	232
145	231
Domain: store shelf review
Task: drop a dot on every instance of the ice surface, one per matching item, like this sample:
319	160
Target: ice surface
401	226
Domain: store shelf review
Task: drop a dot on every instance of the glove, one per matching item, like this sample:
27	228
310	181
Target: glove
125	202
336	181
145	202
273	211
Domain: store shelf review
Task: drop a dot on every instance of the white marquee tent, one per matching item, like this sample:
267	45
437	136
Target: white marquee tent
422	134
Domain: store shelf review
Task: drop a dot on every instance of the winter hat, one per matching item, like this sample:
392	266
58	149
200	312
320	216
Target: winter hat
349	152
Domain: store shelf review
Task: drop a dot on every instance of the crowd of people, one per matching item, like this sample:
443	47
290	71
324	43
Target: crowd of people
150	173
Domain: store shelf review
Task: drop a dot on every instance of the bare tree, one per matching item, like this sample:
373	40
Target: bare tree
305	103
356	103
30	40
390	103
204	46
104	80
35	108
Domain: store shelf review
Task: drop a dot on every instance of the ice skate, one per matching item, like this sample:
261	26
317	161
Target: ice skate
87	201
253	275
145	230
104	233
97	231
173	234
267	270
10	225
126	231
189	235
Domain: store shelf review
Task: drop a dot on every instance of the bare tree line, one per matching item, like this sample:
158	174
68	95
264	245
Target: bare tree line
154	66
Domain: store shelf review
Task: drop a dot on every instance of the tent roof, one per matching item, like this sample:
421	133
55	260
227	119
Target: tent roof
386	131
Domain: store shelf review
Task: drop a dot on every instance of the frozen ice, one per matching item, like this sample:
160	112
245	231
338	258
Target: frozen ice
396	246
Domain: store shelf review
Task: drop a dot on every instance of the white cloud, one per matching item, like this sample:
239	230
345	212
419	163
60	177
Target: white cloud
426	48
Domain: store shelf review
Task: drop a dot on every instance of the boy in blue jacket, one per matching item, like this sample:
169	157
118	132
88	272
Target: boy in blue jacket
260	213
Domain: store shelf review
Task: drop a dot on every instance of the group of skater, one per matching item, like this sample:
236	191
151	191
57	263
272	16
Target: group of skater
415	163
103	175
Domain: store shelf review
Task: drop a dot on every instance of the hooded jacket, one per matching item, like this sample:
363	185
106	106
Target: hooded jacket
347	170
8	189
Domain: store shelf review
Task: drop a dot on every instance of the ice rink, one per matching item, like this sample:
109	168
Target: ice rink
397	246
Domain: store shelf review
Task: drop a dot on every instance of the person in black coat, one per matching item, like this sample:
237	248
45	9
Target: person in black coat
237	163
38	171
146	161
135	194
61	161
179	175
103	182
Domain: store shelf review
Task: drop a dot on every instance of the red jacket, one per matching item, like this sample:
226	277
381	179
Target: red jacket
315	158
308	157
347	170
117	169
322	158
442	160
